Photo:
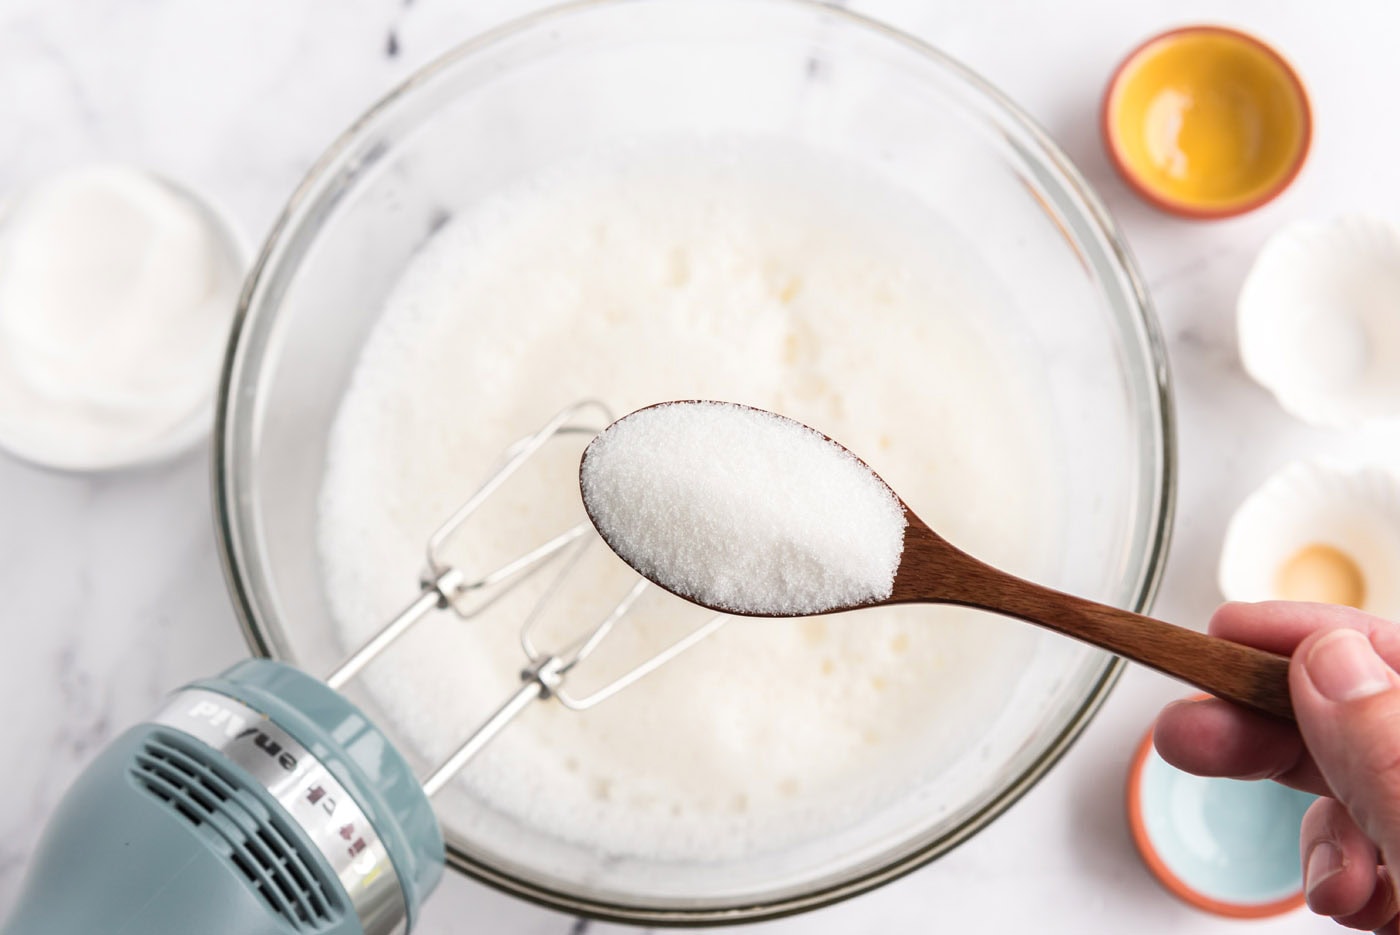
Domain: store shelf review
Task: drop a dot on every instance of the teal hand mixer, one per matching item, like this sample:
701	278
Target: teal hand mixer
263	802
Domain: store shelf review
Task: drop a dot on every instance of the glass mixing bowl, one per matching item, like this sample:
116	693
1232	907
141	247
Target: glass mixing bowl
518	100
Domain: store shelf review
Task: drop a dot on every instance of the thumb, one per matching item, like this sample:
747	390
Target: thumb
1347	701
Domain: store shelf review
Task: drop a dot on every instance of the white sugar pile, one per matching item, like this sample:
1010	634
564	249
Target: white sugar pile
743	510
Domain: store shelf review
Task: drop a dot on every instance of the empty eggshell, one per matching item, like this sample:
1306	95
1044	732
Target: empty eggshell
1321	533
1319	320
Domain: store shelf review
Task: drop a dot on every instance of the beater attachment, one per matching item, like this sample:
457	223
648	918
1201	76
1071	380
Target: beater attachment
444	586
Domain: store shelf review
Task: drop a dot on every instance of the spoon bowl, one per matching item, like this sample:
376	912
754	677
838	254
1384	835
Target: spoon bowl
771	481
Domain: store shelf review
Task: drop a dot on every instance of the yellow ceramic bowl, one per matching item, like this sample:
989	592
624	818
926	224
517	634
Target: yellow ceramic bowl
1207	122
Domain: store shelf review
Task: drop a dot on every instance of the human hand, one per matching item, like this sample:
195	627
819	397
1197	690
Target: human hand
1346	747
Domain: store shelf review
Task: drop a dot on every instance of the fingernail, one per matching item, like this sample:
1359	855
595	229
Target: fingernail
1344	667
1324	863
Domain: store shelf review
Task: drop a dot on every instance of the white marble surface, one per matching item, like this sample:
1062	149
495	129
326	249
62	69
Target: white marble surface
111	587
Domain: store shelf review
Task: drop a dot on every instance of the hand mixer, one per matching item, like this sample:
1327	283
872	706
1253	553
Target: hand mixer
262	802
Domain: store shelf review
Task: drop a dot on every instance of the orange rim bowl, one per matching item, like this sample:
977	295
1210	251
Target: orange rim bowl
1225	61
1170	879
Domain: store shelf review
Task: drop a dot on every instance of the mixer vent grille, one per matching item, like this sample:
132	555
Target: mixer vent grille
257	842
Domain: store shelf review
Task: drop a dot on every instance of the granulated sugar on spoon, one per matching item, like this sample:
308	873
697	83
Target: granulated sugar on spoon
748	512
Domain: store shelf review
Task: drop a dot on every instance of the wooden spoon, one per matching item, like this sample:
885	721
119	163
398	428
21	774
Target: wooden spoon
933	571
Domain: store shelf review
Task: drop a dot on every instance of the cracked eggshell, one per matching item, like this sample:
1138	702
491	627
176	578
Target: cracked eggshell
1317	532
1319	320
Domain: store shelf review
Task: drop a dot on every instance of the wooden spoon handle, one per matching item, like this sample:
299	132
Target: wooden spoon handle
933	570
1238	673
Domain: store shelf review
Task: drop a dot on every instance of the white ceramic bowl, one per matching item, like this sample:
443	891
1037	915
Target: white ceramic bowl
47	431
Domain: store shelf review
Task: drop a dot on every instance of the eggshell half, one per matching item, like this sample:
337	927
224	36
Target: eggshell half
1353	512
1319	320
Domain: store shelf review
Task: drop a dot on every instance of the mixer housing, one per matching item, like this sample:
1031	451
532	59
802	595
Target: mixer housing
260	801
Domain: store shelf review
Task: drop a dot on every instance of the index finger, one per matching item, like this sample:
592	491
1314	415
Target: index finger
1210	737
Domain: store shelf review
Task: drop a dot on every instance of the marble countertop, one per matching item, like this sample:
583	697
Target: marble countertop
112	589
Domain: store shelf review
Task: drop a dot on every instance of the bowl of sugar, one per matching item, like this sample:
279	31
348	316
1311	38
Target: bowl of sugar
841	224
117	288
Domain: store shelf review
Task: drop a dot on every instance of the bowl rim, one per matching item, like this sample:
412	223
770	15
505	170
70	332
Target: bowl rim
1158	518
1155	863
1108	128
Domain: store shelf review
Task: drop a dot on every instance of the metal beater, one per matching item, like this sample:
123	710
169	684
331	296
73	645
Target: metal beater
445	587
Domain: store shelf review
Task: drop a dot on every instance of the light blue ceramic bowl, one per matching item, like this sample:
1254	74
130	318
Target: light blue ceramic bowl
1222	845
